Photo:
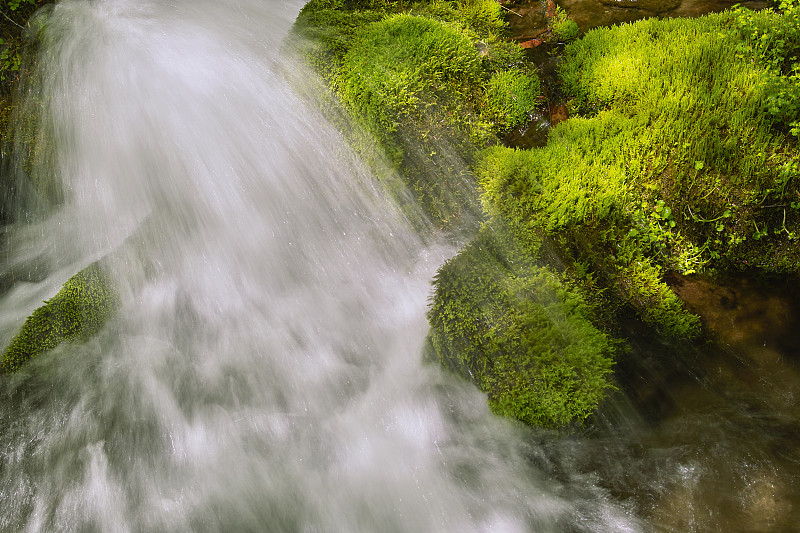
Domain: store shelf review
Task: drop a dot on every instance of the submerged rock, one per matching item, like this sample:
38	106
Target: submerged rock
653	6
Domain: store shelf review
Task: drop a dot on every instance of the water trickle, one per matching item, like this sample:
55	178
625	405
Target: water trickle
265	369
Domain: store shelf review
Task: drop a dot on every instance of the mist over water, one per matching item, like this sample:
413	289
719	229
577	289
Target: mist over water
265	370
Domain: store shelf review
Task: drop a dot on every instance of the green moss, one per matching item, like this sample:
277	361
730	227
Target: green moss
509	324
21	137
700	105
429	82
678	157
324	31
410	65
510	96
394	61
576	186
559	185
564	28
773	40
77	312
14	22
708	142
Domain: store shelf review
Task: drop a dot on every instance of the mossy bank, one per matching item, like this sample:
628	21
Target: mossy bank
20	191
680	156
433	84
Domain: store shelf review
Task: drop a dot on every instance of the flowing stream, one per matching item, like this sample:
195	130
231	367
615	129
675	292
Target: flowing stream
265	371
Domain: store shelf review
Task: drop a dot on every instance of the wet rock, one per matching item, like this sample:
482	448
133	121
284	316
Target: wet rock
696	8
526	21
590	14
745	313
558	114
533	43
767	506
654	6
525	18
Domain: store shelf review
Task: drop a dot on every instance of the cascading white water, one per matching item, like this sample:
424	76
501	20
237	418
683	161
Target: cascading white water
265	370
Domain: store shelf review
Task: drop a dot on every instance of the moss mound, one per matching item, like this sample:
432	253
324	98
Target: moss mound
578	193
77	312
677	161
395	61
428	82
509	324
709	142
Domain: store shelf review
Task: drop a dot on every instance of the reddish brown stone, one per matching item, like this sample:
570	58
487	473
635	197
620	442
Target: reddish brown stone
558	114
530	44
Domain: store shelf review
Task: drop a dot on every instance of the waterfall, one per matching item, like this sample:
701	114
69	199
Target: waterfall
265	370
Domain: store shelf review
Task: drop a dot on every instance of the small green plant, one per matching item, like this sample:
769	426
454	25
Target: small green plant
564	28
14	5
10	62
664	214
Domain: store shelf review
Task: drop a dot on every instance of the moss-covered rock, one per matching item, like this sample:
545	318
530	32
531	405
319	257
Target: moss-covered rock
707	145
77	312
510	325
653	6
676	159
394	62
429	82
577	186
